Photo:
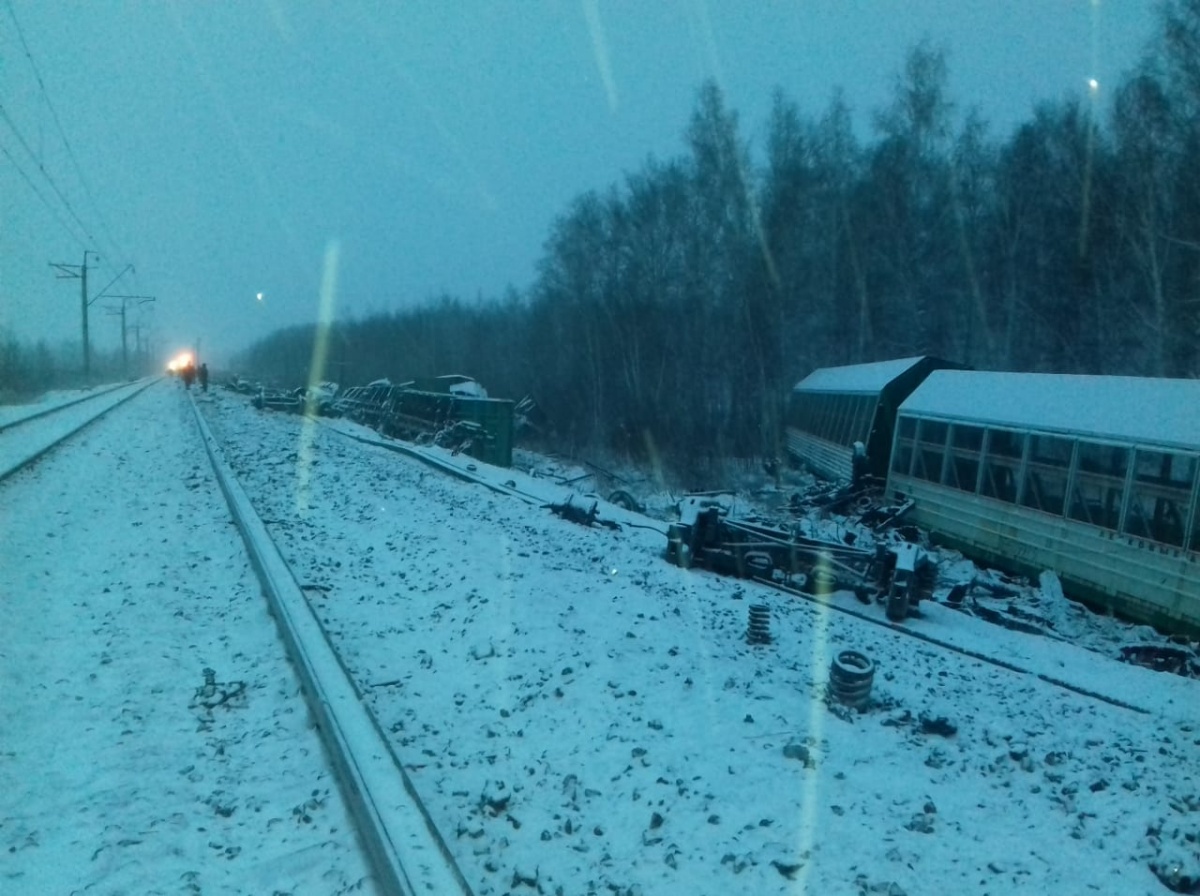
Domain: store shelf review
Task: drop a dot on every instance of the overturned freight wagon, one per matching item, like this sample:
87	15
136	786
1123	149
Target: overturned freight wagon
365	404
834	407
1094	477
449	410
454	413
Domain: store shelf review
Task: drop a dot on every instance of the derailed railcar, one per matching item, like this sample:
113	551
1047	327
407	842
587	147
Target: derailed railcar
1095	477
834	407
482	427
367	404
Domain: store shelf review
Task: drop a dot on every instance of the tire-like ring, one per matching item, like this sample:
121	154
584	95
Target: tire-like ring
759	562
851	667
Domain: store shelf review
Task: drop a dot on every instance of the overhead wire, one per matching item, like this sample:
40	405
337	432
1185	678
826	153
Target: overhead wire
63	134
46	174
46	202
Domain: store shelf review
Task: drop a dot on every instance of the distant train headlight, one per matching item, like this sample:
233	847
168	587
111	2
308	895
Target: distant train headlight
180	361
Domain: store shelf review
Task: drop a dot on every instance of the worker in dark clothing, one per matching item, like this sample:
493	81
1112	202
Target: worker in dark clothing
204	377
859	465
189	374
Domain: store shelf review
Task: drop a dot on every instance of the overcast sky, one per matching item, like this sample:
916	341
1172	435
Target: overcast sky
231	149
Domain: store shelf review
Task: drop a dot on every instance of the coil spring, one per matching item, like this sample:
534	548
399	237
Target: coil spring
850	677
759	629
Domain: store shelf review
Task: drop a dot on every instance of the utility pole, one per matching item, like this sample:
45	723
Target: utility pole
141	341
79	271
141	300
141	344
137	343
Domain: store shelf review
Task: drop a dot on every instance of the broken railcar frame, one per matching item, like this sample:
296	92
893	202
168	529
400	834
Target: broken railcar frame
751	550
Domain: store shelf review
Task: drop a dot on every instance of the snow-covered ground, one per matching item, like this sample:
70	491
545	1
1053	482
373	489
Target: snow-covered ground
580	716
11	413
121	769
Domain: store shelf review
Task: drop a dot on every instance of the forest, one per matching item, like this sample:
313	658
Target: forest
673	311
30	369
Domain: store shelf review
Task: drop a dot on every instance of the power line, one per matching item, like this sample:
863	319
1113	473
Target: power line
45	173
39	195
63	134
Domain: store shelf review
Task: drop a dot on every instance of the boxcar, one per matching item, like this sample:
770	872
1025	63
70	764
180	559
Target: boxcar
1093	477
834	407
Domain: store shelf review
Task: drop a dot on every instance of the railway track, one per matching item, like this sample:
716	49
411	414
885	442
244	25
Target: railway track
43	430
404	850
20	418
911	632
407	851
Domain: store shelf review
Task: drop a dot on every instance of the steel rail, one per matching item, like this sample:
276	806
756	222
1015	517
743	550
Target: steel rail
136	389
45	412
457	472
946	645
441	466
407	852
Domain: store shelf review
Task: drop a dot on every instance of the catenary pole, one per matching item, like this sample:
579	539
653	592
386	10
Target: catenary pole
141	300
70	272
83	303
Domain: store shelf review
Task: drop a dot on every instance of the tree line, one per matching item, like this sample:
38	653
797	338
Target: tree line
672	312
30	369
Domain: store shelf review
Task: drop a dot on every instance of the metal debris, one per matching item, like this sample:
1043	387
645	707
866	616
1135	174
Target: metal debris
1176	660
575	513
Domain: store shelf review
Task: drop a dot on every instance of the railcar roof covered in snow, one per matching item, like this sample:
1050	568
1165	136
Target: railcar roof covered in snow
856	377
1144	410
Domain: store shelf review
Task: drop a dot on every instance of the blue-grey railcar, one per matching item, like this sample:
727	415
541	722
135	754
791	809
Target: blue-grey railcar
834	407
1095	477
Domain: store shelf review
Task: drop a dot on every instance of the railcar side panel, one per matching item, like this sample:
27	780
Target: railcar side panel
831	461
1139	579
